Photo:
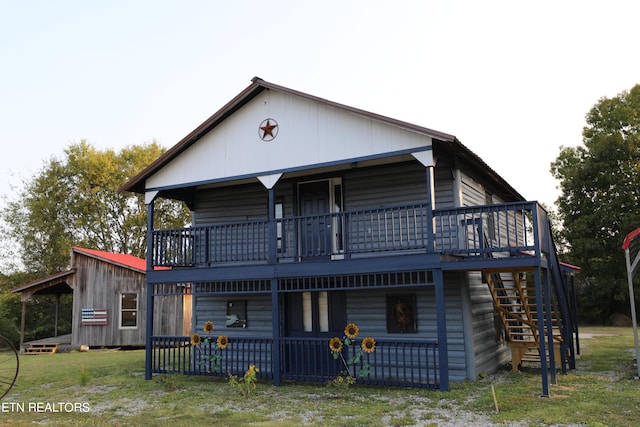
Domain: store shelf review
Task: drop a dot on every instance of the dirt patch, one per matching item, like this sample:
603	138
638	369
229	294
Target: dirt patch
586	336
619	319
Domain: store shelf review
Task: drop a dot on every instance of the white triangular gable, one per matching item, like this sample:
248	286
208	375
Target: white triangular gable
309	133
424	157
269	180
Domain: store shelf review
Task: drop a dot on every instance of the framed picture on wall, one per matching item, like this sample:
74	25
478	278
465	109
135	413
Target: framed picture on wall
401	314
236	314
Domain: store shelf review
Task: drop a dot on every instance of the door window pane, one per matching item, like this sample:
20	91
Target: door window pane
279	214
338	243
323	312
307	314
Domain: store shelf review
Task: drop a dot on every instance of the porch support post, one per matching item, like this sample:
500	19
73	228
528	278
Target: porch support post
55	326
430	207
23	321
275	299
441	314
275	316
149	320
546	294
427	160
542	348
273	238
574	307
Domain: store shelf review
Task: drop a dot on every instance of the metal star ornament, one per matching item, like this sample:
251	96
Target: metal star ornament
268	130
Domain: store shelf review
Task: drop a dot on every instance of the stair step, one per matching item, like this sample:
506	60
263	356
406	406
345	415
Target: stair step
42	348
515	298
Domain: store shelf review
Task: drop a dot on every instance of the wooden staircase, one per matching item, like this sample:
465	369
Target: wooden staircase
514	298
42	348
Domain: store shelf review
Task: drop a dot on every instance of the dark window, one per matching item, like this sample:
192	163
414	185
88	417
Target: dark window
401	314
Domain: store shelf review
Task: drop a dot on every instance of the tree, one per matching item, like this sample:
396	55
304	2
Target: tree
600	201
74	201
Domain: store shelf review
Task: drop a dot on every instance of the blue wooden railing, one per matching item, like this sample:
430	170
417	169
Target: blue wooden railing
393	363
175	354
507	228
404	363
472	231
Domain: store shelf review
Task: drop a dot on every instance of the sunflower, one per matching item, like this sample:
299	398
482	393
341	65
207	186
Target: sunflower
208	327
223	342
351	331
368	345
335	345
196	340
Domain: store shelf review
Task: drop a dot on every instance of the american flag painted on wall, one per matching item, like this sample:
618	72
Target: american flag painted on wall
94	316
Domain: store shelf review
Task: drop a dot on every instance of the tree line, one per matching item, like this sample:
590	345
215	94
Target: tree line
73	200
599	202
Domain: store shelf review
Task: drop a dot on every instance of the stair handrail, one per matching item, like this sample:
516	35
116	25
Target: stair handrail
557	268
569	325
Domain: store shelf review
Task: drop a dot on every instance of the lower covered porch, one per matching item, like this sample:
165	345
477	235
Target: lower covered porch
284	328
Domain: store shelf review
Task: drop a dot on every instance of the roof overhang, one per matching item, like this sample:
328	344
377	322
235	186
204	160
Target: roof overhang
54	284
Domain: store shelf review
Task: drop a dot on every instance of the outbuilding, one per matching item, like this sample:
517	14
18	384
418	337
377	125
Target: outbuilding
109	302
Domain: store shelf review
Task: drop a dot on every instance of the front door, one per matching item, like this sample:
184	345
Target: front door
320	229
318	316
316	226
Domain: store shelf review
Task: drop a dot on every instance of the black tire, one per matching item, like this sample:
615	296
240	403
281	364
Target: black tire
9	365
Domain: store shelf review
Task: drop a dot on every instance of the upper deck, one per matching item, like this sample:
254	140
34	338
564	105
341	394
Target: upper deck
479	236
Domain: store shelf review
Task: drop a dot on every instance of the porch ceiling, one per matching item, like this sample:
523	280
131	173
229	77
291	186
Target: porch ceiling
312	171
54	284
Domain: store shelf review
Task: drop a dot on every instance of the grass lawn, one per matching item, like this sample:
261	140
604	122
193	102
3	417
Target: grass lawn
108	388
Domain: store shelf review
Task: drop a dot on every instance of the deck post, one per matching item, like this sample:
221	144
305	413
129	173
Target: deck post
441	313
546	291
574	307
57	315
275	320
272	237
23	321
149	319
542	348
430	206
272	257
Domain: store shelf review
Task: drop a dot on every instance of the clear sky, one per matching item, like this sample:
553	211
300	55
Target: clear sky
512	80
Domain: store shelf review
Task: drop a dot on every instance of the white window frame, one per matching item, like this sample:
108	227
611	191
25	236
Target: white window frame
121	310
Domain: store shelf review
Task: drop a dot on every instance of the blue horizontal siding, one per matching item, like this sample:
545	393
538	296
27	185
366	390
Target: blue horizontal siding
214	308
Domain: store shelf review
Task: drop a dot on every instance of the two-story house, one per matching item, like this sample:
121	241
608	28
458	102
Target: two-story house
309	215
